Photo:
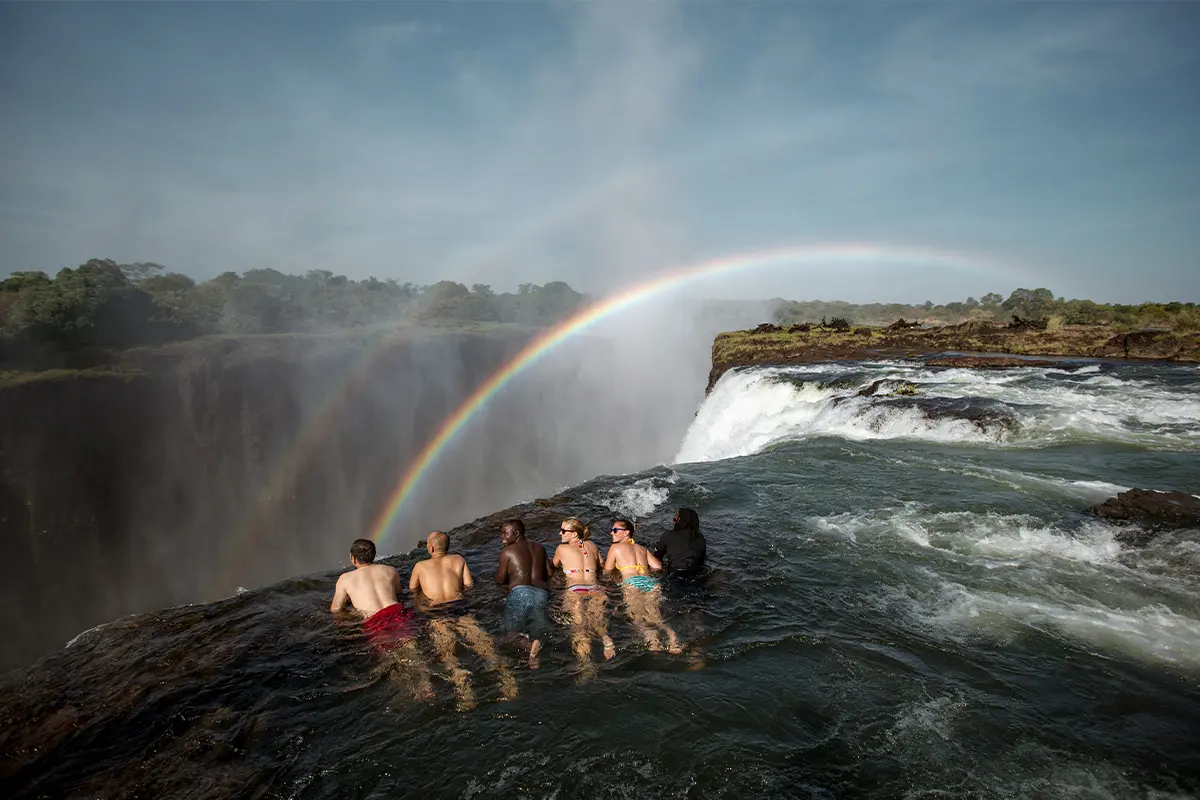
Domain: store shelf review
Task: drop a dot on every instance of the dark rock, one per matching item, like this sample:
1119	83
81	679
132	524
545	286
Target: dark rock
901	324
1153	510
800	327
1019	324
1142	344
973	326
870	390
862	331
767	327
986	362
840	324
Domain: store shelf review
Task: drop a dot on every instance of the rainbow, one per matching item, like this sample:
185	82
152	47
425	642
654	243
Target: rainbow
622	300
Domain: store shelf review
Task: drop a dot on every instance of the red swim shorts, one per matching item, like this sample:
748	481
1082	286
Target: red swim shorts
389	626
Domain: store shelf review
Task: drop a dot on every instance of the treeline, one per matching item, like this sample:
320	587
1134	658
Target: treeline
106	304
1028	304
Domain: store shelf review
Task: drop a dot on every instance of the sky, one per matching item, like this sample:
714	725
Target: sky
1033	144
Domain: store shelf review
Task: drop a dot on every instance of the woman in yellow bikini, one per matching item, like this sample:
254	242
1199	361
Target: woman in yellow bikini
643	595
584	600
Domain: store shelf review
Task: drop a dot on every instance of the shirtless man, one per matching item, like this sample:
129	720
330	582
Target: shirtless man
374	590
643	595
524	567
442	578
584	599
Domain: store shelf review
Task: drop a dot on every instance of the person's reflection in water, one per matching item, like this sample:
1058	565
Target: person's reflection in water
442	578
584	600
373	589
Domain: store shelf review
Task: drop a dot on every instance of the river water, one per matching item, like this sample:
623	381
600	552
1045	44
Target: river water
906	600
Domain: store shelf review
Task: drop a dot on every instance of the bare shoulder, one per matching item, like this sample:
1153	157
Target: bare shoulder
458	560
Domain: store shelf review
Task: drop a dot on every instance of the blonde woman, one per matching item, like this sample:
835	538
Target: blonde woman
584	599
643	594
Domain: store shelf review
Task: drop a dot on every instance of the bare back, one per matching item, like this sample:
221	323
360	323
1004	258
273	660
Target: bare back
369	588
441	579
580	562
631	559
524	563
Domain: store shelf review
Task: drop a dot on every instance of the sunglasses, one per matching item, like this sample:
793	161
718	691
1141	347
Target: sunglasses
565	530
618	530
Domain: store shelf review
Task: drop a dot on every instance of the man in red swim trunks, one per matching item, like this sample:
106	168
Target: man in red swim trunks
374	591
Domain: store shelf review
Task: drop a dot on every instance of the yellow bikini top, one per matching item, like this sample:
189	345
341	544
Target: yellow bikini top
641	569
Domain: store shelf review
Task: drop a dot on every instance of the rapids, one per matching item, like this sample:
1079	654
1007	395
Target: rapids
906	599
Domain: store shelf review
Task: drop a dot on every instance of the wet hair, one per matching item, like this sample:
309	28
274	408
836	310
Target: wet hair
516	524
363	551
439	540
576	524
687	519
622	521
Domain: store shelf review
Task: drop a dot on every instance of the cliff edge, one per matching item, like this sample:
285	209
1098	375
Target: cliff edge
799	344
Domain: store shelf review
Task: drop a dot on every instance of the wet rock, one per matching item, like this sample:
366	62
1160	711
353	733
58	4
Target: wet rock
870	390
986	362
1154	511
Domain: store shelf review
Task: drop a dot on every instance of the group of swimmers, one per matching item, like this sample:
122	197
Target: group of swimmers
526	570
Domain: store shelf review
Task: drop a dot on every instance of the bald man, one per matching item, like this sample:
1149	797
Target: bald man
442	578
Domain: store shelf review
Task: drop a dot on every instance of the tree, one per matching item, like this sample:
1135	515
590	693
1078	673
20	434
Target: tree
1029	304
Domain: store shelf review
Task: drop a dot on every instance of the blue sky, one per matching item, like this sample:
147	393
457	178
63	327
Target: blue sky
503	143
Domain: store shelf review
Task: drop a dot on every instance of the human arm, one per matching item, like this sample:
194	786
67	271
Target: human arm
660	549
557	559
414	581
653	561
502	569
340	595
466	576
611	561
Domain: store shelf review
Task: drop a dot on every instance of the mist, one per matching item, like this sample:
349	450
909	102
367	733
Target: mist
599	144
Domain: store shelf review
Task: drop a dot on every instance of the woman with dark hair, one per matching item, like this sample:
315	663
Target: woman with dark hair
682	549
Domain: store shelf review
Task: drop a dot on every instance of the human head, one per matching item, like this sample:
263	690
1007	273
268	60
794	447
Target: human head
621	524
576	526
437	542
687	519
362	551
512	530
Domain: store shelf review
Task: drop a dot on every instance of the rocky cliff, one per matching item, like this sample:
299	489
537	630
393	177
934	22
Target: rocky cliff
773	344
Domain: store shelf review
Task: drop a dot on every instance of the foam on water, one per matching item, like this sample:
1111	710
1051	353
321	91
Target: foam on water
750	410
1151	633
638	499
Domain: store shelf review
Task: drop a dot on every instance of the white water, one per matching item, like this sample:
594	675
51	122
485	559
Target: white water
749	410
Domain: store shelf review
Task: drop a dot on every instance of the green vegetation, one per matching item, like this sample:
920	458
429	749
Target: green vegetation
1030	304
106	306
102	304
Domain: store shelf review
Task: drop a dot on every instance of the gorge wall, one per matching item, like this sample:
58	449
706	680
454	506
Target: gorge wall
172	477
127	491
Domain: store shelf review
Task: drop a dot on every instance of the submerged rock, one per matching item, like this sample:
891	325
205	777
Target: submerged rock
1154	510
